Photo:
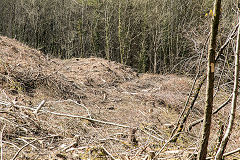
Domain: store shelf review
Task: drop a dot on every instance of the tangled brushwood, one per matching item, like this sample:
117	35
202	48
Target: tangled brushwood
89	109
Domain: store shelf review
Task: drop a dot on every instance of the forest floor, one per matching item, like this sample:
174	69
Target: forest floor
95	109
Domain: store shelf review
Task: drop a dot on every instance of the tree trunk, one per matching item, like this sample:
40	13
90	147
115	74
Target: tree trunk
234	98
210	82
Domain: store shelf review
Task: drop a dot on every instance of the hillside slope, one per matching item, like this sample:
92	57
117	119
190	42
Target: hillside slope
91	107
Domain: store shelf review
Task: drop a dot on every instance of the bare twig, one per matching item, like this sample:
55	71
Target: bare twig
190	94
39	107
230	37
12	122
232	113
142	149
69	146
1	141
219	53
185	106
157	138
232	152
27	143
76	102
166	143
111	156
181	125
227	154
179	122
15	156
216	111
6	142
68	115
5	119
5	95
220	77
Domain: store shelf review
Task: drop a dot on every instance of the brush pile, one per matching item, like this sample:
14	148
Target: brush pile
92	108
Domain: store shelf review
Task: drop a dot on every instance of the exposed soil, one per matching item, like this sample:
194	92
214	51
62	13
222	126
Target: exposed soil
92	109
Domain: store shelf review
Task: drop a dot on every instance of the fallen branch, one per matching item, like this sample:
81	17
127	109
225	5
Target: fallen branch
227	154
89	119
76	102
186	104
185	117
68	115
231	152
216	111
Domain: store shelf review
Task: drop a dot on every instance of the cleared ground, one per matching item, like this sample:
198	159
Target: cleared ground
92	109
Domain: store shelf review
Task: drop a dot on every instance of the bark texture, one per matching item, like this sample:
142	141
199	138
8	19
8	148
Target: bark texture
210	82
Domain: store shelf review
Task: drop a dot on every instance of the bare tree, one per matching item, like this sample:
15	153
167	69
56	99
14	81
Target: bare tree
151	35
210	81
225	139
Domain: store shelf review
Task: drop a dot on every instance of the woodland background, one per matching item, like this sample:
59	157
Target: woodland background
169	37
156	36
